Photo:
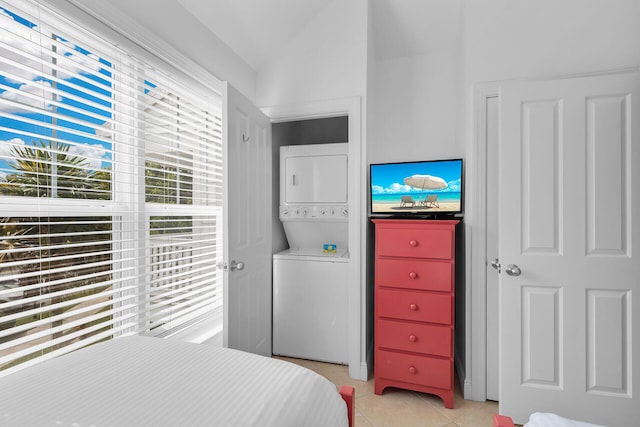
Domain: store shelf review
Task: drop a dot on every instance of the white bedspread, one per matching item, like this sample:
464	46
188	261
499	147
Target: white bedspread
143	381
544	419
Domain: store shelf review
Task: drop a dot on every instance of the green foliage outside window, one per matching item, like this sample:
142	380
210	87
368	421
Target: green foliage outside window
47	168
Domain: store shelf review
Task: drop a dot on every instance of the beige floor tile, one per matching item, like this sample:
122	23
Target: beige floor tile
400	408
362	421
478	415
465	413
403	408
337	374
309	364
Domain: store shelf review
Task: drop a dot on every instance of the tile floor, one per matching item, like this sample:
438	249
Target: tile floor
403	408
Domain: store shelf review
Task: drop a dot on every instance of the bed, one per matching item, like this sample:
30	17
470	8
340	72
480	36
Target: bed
144	381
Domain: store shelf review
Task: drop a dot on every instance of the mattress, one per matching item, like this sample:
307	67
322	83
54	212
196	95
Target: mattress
143	381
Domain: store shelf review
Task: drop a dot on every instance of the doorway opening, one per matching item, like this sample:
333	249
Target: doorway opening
299	132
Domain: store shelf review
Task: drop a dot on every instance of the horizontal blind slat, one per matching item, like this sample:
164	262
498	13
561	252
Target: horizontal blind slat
45	331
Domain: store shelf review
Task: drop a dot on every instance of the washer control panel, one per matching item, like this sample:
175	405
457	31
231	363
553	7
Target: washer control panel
336	212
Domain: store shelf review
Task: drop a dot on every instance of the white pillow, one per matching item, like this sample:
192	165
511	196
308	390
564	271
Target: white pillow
542	419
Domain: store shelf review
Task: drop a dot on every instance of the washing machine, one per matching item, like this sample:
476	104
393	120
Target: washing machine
310	278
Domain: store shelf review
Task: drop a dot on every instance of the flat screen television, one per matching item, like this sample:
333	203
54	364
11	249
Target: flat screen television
421	189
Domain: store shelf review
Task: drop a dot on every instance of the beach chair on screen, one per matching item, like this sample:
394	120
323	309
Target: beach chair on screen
405	201
431	201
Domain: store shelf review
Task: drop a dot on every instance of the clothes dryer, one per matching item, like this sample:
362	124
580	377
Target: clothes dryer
310	283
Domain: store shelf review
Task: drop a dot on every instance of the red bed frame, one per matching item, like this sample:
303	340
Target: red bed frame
349	396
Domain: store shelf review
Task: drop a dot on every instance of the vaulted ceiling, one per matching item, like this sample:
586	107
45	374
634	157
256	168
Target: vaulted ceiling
255	30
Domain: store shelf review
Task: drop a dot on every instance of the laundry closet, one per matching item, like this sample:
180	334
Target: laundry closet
311	239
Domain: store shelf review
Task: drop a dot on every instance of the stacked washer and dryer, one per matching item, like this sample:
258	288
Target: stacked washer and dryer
310	278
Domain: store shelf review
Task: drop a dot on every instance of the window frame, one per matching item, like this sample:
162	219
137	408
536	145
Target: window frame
130	214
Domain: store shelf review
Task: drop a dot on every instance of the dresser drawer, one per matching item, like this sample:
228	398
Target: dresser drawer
422	370
417	306
415	274
416	243
415	337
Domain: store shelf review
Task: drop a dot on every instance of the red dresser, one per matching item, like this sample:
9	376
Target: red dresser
414	306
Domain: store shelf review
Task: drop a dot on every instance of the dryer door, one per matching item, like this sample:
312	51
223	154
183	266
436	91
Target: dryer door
316	179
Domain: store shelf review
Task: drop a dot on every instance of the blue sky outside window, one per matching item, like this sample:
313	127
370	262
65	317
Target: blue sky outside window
64	98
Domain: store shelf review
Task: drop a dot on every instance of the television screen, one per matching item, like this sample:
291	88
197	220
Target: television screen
428	188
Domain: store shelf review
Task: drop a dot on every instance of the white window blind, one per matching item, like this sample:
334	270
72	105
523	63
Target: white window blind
110	191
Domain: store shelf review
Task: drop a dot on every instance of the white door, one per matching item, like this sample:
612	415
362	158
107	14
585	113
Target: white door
570	221
247	230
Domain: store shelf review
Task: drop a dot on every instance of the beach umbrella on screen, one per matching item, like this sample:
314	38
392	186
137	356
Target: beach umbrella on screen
425	182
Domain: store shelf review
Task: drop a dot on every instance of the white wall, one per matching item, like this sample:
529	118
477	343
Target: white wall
535	38
168	22
415	111
367	269
325	60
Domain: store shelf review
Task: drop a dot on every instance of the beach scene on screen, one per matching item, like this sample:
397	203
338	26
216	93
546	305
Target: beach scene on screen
430	187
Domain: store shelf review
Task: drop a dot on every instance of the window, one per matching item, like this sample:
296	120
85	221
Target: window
110	191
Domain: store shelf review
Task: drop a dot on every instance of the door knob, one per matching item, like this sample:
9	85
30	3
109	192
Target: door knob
239	265
513	270
496	264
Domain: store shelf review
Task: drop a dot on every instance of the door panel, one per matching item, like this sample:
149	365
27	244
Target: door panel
541	336
569	221
607	148
608	324
541	147
247	236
